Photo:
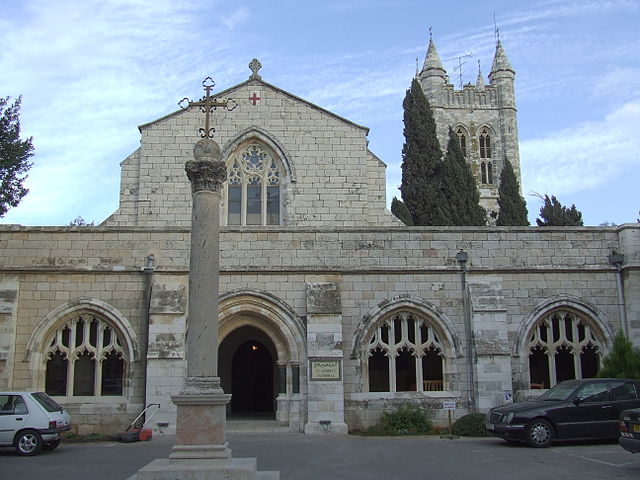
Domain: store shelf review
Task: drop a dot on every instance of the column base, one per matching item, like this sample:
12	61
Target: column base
201	417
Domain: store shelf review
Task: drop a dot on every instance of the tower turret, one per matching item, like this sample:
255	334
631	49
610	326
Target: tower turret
433	75
502	76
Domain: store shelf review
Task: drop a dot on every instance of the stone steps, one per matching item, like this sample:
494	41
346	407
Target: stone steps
255	426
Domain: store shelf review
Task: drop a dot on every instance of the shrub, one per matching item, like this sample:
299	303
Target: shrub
471	425
623	360
405	420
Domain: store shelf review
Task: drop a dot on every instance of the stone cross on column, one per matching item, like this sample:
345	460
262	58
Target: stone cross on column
200	429
201	451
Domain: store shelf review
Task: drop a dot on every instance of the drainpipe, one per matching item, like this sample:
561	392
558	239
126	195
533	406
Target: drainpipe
462	258
147	271
617	259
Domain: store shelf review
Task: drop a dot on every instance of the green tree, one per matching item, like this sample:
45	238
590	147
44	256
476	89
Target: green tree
553	214
400	210
422	162
459	188
513	208
14	155
623	360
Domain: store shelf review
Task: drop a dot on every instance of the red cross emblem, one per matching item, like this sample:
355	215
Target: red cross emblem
254	97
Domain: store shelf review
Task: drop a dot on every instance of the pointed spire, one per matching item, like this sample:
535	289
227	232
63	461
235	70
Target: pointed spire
432	60
480	80
500	60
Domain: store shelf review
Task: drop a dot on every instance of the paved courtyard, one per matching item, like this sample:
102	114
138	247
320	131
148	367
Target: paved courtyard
300	457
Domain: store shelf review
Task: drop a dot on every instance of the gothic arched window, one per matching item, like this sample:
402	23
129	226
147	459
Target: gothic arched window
253	188
462	138
405	354
486	172
85	357
485	143
562	346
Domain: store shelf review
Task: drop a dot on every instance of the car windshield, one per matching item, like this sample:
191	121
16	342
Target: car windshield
561	391
47	402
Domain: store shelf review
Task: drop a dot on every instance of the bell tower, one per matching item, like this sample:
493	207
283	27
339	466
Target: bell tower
484	117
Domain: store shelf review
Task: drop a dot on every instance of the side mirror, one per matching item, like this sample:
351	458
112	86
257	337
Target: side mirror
578	400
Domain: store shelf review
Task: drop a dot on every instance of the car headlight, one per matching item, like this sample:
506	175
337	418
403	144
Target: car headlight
508	418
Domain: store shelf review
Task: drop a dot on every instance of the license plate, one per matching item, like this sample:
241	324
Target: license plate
490	426
636	428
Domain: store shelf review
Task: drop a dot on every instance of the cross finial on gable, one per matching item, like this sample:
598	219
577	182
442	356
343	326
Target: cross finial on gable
255	65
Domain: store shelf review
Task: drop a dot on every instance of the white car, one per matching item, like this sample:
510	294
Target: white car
31	422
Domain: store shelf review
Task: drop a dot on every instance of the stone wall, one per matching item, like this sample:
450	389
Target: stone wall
511	271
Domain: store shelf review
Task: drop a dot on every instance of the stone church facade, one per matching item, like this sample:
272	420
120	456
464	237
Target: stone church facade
331	311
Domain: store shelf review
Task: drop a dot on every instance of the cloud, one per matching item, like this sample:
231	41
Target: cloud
237	17
584	157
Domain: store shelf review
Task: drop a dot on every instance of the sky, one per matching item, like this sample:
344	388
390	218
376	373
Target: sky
91	71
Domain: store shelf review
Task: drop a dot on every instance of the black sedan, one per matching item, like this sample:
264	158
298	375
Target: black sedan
630	430
572	410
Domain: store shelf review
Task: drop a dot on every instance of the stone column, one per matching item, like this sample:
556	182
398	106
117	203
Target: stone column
200	426
201	451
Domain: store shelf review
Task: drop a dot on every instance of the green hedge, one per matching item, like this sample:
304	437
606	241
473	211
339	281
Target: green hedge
471	425
405	420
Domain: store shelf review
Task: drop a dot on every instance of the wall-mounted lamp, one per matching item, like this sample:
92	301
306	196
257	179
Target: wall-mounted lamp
462	258
616	259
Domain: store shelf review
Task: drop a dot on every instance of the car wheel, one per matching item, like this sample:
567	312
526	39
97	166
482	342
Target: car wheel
28	442
51	445
539	433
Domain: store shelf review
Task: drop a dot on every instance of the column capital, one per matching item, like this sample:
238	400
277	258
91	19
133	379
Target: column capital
206	175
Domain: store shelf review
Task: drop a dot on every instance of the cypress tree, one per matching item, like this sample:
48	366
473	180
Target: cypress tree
460	189
400	210
513	208
554	214
422	162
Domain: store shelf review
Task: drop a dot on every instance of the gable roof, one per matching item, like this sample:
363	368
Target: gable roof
259	82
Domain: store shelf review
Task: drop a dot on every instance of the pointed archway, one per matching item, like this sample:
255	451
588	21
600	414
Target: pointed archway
247	363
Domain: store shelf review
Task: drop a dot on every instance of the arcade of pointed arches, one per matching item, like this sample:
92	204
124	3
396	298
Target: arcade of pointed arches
83	348
562	339
407	345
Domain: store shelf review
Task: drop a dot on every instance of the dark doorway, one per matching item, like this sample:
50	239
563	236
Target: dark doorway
252	379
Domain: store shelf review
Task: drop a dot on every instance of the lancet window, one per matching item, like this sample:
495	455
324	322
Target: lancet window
85	357
486	172
462	138
253	188
485	143
405	353
562	346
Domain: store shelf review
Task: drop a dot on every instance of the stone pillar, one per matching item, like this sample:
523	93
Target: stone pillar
202	404
325	387
493	369
201	451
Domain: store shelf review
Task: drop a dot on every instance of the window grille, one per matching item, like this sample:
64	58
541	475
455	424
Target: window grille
562	346
85	357
405	354
253	188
